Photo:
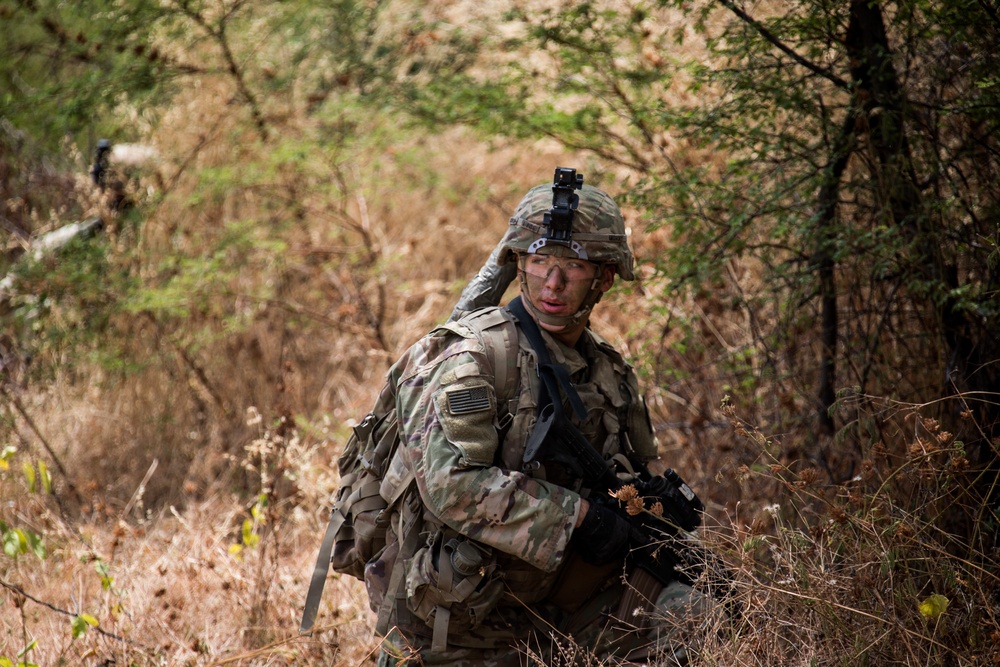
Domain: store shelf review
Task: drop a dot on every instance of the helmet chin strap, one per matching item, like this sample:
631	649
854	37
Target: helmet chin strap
560	322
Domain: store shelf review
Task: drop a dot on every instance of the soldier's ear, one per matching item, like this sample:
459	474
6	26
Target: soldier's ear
607	277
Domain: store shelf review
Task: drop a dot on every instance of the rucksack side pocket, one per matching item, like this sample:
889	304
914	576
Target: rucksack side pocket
362	465
452	585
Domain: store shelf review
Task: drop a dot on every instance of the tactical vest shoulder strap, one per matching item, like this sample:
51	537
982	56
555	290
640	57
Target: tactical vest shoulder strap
617	359
639	438
498	334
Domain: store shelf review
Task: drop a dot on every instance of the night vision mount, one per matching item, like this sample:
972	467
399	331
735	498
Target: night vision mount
559	219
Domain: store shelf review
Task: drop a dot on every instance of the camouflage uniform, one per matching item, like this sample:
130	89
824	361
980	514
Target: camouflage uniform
466	405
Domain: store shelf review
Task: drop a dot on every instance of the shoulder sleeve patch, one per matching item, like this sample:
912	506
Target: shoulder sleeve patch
467	413
469	399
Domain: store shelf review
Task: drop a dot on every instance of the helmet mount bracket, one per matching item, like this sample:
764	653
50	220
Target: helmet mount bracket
558	220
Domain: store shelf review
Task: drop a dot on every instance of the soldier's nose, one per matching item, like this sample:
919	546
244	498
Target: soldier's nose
555	279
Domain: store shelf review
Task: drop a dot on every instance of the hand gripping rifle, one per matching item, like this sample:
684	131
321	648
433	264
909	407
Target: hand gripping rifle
660	508
658	543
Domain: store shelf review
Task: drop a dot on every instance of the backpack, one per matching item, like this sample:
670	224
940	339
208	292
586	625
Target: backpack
359	519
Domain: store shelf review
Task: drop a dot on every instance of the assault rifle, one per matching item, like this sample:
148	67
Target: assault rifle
657	545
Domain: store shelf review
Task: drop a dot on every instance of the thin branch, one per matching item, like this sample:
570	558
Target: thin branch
218	33
17	590
787	50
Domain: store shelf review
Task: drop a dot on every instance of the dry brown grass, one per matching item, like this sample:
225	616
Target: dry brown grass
178	596
165	460
822	573
252	389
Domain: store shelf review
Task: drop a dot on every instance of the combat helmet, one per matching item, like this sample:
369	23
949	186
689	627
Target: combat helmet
570	219
598	228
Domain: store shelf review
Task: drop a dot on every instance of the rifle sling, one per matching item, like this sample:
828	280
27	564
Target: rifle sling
553	375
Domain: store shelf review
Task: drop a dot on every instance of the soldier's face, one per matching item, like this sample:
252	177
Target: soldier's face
558	286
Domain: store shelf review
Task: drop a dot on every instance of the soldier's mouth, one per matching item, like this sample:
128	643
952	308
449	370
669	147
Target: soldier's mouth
552	306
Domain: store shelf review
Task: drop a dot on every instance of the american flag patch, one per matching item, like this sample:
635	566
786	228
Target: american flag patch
464	401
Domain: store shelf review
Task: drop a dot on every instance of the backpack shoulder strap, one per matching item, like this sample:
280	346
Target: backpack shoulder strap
498	334
365	496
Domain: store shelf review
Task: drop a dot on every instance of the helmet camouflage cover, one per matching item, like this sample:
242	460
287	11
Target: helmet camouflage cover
598	232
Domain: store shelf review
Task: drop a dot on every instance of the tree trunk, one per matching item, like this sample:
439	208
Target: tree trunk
971	347
826	268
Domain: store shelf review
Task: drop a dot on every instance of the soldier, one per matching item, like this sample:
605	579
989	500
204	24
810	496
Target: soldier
495	557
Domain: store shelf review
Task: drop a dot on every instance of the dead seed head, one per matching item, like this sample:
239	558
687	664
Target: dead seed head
810	476
838	515
626	494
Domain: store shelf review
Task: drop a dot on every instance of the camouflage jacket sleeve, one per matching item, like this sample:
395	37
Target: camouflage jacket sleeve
446	406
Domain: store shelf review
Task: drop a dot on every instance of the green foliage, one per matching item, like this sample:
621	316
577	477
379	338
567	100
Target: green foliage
65	304
251	528
21	658
18	540
29	476
104	572
81	623
65	69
